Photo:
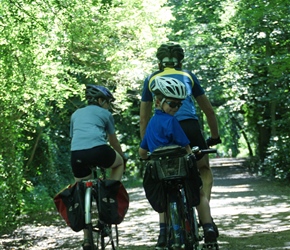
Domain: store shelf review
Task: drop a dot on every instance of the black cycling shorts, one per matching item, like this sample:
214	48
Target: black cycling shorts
81	160
193	132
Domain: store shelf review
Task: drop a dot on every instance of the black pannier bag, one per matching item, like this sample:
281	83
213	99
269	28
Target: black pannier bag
69	203
166	163
112	201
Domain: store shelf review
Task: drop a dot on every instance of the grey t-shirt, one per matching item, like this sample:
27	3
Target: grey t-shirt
89	127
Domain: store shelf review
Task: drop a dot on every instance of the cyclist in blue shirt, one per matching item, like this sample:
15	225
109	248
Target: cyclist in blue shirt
91	128
164	129
170	58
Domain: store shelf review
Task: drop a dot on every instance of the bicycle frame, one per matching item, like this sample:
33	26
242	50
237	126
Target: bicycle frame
182	225
93	227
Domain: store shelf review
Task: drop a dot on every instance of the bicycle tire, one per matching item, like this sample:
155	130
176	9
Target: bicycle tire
186	229
194	228
175	232
88	216
169	232
187	223
193	237
91	235
108	237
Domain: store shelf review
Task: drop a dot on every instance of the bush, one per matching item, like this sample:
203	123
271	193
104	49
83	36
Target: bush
276	164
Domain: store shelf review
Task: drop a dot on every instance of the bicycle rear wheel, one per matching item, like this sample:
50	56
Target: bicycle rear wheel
108	237
91	235
90	217
177	234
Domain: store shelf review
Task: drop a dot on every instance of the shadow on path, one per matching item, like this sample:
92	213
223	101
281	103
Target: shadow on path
251	213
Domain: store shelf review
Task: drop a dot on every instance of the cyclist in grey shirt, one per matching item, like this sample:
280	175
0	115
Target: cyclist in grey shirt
91	128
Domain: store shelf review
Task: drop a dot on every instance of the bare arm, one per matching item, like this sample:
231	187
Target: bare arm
206	107
143	153
114	142
145	114
188	149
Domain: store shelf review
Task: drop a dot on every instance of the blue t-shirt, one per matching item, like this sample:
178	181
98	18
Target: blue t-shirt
89	127
193	88
163	130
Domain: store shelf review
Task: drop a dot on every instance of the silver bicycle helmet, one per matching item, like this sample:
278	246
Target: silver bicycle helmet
169	87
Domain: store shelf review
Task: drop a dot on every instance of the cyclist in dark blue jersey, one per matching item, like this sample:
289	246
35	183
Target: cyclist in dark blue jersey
170	58
164	130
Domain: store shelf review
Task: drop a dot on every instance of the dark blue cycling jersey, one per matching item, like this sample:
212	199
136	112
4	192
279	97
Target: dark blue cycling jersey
163	130
187	110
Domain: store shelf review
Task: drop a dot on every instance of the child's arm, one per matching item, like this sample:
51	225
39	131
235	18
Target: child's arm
188	149
143	153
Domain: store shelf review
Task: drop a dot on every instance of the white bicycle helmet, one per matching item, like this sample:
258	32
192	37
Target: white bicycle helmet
169	87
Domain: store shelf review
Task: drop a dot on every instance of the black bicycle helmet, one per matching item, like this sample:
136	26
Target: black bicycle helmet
170	53
93	92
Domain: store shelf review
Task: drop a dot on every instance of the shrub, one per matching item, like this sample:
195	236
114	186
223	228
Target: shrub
277	162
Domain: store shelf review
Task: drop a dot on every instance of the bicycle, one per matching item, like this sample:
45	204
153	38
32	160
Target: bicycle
172	164
106	234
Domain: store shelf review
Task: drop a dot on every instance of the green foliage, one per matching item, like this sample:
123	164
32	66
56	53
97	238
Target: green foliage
276	163
37	200
239	50
49	50
11	185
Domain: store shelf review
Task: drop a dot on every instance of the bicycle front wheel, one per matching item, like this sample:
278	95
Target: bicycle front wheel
192	237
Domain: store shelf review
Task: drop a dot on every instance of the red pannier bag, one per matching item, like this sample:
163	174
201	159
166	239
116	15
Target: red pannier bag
69	203
112	201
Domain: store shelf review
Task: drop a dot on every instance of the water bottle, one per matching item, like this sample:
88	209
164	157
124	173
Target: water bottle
175	223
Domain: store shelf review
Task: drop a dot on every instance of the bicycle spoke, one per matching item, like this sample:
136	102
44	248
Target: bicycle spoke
108	238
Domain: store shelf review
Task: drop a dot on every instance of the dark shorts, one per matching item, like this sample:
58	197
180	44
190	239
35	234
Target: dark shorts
81	160
193	132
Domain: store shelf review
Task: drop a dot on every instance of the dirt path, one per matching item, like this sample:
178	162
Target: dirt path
251	213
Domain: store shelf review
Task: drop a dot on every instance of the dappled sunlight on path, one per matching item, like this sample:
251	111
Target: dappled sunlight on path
246	206
251	213
141	223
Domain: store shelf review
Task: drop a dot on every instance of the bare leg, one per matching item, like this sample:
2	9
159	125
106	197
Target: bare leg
206	175
117	168
207	179
203	209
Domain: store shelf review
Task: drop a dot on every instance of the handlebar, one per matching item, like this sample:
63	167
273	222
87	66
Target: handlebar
195	150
